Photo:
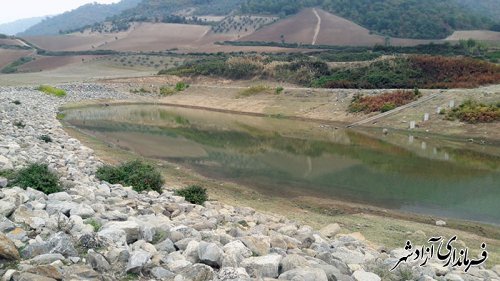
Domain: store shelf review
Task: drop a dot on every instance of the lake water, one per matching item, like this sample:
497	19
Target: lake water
280	157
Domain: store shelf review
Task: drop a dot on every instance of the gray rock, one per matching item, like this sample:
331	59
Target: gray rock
305	274
8	250
292	261
330	230
361	275
265	266
63	207
59	196
233	274
3	182
6	225
210	254
61	243
113	236
138	259
161	273
35	249
259	245
131	228
46	258
82	210
26	276
97	261
5	163
166	245
6	208
197	272
440	223
348	256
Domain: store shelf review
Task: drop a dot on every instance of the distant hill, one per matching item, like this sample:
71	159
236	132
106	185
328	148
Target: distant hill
85	15
15	27
419	19
160	10
490	8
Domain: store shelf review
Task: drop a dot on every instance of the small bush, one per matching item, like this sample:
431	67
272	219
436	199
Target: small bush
279	90
37	176
45	138
16	102
96	225
60	116
167	91
383	102
52	91
181	86
19	124
141	176
194	194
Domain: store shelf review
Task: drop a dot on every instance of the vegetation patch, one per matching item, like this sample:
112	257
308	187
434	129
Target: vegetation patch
168	91
255	90
17	102
19	124
36	176
140	91
52	91
12	68
415	71
194	194
471	111
96	225
140	175
45	138
383	102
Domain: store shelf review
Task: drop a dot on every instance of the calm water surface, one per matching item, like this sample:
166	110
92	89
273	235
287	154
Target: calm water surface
288	158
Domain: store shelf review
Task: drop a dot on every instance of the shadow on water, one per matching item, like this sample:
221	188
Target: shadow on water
291	158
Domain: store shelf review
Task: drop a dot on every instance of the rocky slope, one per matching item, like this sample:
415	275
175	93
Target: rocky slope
98	231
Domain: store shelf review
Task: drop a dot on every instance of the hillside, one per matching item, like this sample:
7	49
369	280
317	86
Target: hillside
318	27
18	26
83	16
419	19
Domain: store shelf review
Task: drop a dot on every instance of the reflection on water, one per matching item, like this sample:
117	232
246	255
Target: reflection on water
289	158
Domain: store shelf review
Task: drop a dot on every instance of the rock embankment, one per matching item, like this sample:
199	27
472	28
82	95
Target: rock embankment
98	231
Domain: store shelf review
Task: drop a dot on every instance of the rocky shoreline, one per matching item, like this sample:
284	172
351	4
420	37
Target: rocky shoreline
98	231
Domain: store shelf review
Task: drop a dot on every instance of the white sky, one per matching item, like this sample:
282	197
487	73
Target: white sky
12	10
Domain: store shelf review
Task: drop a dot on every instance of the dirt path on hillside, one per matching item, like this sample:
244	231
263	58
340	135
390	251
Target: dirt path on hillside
317	29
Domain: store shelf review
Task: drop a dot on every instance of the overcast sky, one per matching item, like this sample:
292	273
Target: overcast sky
19	9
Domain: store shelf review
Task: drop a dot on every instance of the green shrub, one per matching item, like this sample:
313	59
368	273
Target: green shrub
16	102
52	90
60	116
387	107
194	194
96	225
167	91
37	176
19	124
181	86
45	138
279	90
141	176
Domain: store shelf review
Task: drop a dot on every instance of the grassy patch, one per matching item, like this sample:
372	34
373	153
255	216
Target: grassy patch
168	91
255	90
181	86
383	102
96	225
194	194
140	91
52	91
60	116
37	176
141	176
472	112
